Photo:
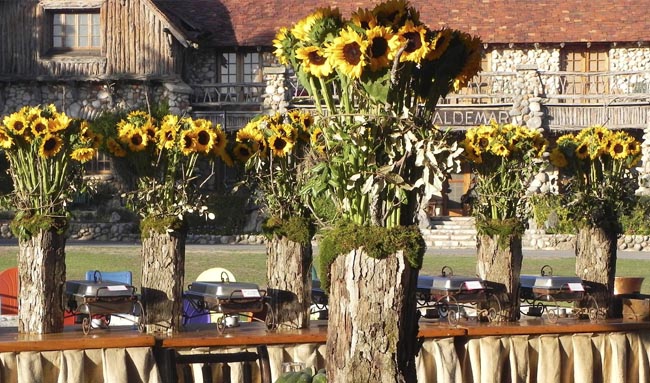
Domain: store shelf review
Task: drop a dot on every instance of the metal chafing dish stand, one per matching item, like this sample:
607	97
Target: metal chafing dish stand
544	290
448	293
232	299
102	297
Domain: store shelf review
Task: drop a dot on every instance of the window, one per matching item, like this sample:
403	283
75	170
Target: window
584	69
243	69
75	31
101	164
240	67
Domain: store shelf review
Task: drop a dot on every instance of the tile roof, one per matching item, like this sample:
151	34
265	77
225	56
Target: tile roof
255	22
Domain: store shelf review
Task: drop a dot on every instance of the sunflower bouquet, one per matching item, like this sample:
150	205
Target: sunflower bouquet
161	156
275	152
376	79
595	169
45	149
504	160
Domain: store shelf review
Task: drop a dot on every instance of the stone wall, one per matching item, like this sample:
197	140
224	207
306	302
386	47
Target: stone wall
88	100
129	233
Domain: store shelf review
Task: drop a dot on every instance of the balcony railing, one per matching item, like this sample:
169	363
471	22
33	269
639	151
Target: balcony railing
230	121
227	93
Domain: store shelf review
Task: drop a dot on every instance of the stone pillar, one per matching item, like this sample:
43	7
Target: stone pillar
178	95
527	103
276	93
644	166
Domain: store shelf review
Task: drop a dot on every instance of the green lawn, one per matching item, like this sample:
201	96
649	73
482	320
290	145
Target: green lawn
250	266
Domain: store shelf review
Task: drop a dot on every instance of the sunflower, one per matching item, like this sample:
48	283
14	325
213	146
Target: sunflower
582	151
294	115
280	146
633	147
166	137
250	135
220	141
303	30
187	142
414	38
136	140
39	126
279	45
472	61
558	159
618	150
314	61
287	131
34	112
86	134
500	150
16	123
348	53
242	152
317	137
364	18
203	136
115	148
149	129
50	146
391	13
83	155
439	44
383	44
471	153
61	122
6	142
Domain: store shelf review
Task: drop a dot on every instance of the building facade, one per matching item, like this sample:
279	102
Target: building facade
555	65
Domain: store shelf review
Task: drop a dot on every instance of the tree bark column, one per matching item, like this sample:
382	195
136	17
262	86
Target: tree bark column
499	262
41	288
373	321
163	270
288	268
596	265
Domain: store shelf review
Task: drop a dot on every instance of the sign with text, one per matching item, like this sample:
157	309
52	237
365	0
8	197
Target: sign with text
469	117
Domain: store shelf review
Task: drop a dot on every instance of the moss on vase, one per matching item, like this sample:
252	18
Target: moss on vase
162	225
297	229
378	242
501	228
25	224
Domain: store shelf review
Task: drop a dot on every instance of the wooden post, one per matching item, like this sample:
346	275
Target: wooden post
373	321
41	275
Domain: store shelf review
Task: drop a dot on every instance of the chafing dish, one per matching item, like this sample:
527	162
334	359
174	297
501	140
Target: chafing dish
101	298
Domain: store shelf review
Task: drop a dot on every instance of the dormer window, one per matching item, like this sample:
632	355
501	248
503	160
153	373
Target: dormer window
71	29
76	30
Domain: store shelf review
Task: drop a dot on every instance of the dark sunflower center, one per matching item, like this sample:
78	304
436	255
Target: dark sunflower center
49	144
279	144
413	42
18	126
136	140
483	142
203	138
582	149
244	151
316	59
352	53
39	128
187	142
618	148
379	47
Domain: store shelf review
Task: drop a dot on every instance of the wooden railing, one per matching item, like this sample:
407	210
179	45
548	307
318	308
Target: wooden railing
230	121
227	93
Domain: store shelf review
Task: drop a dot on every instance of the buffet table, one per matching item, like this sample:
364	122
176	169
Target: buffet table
526	351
